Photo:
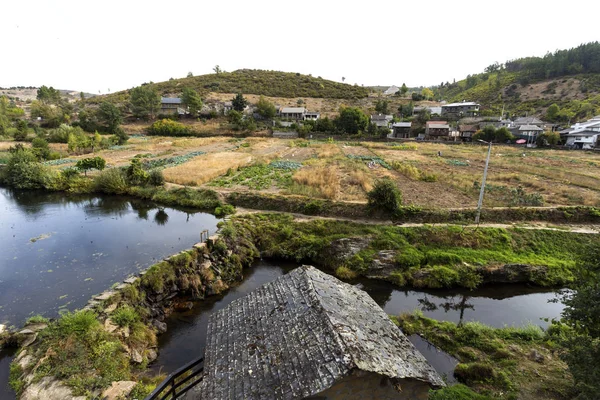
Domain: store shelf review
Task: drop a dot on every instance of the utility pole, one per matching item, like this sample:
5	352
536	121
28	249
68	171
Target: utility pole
487	162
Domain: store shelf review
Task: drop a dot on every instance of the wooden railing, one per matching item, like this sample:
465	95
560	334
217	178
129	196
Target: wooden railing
179	382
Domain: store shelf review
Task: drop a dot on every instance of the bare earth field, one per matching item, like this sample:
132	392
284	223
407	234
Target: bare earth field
345	171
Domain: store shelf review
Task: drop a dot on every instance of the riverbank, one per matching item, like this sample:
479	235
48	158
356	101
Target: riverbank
114	337
511	362
422	257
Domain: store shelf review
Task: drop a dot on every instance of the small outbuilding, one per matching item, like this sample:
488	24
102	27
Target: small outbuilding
307	335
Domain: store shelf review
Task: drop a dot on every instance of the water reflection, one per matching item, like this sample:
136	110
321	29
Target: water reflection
57	251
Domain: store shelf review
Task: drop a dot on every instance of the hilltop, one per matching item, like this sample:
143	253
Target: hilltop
570	78
259	82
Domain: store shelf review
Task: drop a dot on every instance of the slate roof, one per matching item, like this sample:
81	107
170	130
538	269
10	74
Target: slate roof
530	128
293	110
170	100
381	117
300	334
528	121
402	124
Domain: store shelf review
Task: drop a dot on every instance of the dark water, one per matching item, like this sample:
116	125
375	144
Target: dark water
85	245
497	306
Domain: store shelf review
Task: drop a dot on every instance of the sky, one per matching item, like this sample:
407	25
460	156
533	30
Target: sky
107	46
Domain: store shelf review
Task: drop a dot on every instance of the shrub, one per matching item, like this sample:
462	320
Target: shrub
473	373
23	171
36	319
345	273
167	127
86	164
125	316
40	148
111	181
226	209
385	196
156	178
313	207
135	173
409	257
456	392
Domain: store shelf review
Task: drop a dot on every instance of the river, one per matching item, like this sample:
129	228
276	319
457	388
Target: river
57	251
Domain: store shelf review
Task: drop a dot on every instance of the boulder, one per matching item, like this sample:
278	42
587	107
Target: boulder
131	280
341	250
511	273
161	327
25	361
2	328
118	390
136	356
537	356
29	339
151	355
110	308
105	296
37	326
109	326
205	265
49	388
383	264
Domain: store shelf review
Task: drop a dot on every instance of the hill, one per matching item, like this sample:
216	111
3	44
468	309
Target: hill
259	82
569	78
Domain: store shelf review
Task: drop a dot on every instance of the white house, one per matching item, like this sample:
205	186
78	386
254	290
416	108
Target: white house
381	120
583	139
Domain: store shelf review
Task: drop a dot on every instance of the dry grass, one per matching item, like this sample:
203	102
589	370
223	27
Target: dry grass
361	178
205	168
324	179
197	142
328	151
7	145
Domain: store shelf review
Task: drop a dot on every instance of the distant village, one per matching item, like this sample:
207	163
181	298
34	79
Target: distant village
447	122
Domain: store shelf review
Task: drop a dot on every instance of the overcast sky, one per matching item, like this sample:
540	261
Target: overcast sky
101	46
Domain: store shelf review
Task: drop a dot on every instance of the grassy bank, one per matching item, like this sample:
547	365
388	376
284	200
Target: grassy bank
330	208
507	363
432	257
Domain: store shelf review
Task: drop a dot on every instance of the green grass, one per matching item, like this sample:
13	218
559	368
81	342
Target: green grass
451	255
260	176
494	361
36	319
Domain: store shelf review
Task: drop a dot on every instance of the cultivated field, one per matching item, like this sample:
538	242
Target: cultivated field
429	175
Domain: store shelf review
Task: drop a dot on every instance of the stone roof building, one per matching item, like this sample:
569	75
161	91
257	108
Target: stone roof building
309	334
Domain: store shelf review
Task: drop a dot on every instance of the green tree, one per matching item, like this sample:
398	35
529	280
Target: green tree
110	116
235	117
385	196
22	130
144	101
48	95
86	164
403	89
381	106
52	115
23	171
427	93
582	318
190	75
135	173
217	69
423	116
352	120
502	135
265	108
40	148
406	110
548	139
239	103
553	112
324	125
192	100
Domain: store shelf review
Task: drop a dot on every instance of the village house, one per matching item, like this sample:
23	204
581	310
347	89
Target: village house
529	121
382	121
587	139
171	105
591	125
401	129
311	116
432	110
527	132
436	130
296	113
467	132
309	335
391	90
459	110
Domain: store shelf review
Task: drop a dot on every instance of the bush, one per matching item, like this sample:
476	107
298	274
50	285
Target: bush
385	196
23	171
86	164
456	392
111	181
136	174
345	273
167	127
156	178
474	373
40	148
224	210
125	316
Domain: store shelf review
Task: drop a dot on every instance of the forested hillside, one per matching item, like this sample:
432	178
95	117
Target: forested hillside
569	78
248	81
